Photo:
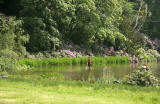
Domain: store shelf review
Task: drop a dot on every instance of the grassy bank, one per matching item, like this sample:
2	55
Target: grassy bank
27	90
70	61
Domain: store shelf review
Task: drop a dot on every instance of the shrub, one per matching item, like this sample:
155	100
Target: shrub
4	73
142	78
8	54
39	55
57	54
12	36
7	64
12	40
154	53
149	55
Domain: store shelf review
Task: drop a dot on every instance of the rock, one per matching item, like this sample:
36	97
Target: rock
145	68
116	81
4	76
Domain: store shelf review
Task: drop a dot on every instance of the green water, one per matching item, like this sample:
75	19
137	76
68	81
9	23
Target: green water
82	72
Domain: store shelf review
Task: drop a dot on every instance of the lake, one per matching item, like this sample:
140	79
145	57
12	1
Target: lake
82	72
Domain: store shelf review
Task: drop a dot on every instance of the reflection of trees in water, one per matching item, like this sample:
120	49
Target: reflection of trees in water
70	73
99	71
118	71
90	75
89	72
134	66
106	72
77	72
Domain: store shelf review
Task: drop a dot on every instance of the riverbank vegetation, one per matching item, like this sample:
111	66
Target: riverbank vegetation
74	61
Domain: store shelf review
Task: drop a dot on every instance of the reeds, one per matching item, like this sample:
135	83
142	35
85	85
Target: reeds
74	61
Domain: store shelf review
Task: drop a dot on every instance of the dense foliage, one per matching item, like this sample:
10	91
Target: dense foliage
152	26
148	56
11	43
93	27
141	77
86	23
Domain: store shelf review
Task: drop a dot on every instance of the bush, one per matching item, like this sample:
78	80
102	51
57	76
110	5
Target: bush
8	54
12	36
154	53
7	64
39	55
149	55
4	73
142	78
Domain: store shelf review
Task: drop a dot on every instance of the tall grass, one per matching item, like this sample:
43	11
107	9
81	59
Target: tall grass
71	61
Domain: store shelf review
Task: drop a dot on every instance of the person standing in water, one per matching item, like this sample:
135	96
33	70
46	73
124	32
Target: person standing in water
89	62
89	68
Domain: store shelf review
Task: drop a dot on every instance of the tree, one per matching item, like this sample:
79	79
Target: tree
152	27
40	25
12	36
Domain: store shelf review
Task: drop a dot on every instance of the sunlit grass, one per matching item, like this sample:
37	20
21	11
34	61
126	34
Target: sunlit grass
70	61
27	90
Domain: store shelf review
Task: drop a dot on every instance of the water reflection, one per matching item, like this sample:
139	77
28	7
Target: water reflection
83	72
89	73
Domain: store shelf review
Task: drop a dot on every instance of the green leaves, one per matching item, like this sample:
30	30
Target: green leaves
84	22
41	25
148	56
12	36
141	78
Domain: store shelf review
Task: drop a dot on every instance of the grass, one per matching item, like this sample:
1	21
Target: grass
27	90
70	61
